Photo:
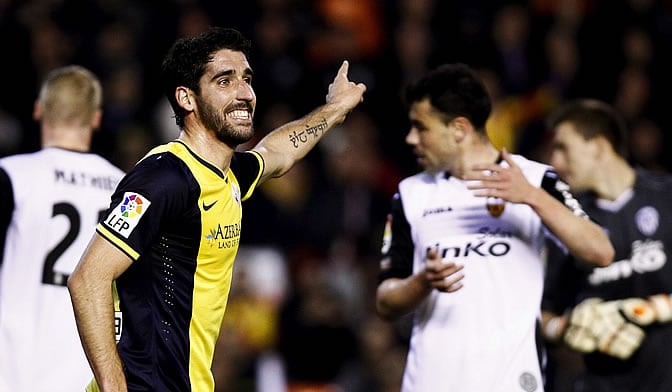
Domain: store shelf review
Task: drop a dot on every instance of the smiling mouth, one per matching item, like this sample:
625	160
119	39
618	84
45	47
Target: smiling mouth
239	114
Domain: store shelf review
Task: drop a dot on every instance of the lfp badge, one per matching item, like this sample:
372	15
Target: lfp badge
127	214
132	205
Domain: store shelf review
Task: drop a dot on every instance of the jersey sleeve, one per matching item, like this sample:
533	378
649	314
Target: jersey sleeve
247	167
559	189
6	207
397	249
561	283
153	194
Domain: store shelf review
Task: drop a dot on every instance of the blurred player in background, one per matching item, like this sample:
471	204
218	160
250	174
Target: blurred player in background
50	203
463	244
619	316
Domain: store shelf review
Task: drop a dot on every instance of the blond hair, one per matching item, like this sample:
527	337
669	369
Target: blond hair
70	96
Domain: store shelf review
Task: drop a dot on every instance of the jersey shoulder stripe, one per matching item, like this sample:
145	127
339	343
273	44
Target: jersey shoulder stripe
130	252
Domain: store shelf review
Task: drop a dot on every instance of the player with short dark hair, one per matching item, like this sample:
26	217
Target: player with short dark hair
50	203
463	244
619	317
171	234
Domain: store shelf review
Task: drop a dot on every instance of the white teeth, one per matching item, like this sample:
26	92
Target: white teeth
239	114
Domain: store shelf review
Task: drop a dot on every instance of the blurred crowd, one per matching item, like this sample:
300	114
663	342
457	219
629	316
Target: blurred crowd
301	308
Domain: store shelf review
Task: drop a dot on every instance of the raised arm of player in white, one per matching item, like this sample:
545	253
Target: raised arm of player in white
583	238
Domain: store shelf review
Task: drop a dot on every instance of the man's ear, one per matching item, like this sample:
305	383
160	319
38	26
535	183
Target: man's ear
462	128
97	119
37	111
602	145
183	97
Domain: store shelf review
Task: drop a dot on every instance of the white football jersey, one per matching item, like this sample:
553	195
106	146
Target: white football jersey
482	337
59	196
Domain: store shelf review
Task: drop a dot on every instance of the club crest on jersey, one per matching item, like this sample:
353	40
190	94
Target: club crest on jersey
495	206
235	193
125	216
647	219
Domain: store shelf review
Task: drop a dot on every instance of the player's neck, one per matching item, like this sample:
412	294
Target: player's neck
208	148
616	179
479	153
67	138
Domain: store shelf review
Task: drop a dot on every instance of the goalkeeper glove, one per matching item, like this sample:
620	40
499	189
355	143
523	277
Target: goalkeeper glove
596	325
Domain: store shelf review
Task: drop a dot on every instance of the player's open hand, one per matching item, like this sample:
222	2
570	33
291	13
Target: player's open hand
493	180
442	275
344	93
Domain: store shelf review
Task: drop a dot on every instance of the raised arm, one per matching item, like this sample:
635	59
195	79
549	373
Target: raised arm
584	239
284	146
90	287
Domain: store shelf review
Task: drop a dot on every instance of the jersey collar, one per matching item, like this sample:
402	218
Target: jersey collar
446	174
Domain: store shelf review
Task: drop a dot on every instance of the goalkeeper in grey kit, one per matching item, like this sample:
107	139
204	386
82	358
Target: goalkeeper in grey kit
620	316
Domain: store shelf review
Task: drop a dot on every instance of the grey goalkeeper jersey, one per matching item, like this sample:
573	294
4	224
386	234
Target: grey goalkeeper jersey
639	224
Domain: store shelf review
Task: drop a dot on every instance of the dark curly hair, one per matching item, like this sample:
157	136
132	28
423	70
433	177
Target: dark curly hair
454	90
186	60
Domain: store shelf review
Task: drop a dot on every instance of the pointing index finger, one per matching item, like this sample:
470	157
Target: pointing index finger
343	71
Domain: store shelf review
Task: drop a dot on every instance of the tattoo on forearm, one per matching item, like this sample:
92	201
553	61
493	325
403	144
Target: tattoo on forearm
302	137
